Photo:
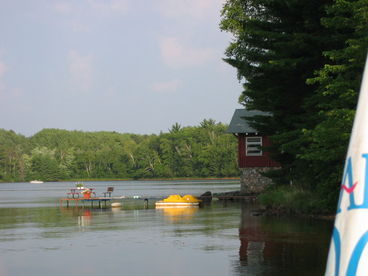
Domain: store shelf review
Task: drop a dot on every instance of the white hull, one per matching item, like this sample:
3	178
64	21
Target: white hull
179	204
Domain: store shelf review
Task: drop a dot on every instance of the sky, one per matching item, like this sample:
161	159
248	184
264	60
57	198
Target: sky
130	66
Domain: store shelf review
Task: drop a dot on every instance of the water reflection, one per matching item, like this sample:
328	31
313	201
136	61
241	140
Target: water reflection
220	238
83	216
270	246
85	219
177	214
90	218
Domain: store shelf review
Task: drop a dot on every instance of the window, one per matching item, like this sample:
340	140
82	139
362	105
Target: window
253	146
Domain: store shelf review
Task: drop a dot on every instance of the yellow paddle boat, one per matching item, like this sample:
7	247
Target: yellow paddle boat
177	200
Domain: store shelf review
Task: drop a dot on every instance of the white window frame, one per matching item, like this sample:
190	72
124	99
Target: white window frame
253	146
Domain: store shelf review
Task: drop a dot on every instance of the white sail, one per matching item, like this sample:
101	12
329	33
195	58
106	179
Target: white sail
348	253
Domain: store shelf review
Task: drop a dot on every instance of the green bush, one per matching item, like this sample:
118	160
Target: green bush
294	200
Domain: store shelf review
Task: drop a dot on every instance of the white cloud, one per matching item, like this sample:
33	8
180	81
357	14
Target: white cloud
112	6
3	69
197	9
97	7
64	8
77	26
81	70
80	14
167	87
8	94
178	55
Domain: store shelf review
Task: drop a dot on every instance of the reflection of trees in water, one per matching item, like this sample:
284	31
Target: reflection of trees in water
273	245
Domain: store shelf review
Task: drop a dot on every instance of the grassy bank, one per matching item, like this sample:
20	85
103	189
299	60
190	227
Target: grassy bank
293	200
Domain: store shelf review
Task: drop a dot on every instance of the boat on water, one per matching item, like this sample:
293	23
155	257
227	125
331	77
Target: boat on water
179	201
36	181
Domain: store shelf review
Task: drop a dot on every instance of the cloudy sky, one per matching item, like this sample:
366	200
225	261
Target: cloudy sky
134	66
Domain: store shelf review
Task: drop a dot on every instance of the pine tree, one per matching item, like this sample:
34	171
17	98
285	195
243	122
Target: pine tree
336	97
277	46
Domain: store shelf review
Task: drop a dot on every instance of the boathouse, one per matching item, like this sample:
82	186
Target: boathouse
253	159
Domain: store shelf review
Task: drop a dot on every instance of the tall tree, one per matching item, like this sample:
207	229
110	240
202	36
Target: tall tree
12	149
277	46
336	97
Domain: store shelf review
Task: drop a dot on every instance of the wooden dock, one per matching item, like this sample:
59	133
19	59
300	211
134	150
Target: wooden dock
99	201
105	201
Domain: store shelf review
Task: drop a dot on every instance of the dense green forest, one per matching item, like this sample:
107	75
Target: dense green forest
301	61
55	154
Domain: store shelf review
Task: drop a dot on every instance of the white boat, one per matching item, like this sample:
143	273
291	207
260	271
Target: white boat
36	181
115	204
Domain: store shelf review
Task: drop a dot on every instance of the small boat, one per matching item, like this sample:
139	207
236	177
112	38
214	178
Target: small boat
36	181
115	204
177	200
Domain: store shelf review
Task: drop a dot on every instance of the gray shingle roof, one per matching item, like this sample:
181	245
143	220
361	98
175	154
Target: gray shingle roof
239	123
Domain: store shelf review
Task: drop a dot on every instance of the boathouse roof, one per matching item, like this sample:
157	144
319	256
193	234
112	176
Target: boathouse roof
239	123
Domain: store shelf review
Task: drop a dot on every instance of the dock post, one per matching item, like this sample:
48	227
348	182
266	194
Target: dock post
146	203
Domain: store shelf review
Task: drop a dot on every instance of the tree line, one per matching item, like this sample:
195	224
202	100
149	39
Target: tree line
56	154
302	61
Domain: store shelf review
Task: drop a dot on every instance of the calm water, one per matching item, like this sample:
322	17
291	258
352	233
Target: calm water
38	237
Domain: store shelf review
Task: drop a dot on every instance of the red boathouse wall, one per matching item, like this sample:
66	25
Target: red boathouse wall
245	161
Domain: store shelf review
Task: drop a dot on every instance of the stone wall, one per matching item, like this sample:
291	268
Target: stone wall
251	180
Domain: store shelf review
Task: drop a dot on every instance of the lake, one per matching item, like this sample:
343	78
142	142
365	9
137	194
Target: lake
40	237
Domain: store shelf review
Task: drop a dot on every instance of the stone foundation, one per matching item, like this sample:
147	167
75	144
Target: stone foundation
251	180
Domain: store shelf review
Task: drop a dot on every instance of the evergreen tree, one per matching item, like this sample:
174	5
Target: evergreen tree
301	61
336	97
277	46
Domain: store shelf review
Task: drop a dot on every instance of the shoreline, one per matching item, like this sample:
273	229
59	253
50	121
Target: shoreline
271	212
290	214
132	179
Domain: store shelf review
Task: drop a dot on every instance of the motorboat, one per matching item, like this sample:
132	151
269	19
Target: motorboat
36	181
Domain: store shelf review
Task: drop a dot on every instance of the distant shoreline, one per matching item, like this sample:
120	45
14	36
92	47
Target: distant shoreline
132	179
153	179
